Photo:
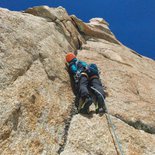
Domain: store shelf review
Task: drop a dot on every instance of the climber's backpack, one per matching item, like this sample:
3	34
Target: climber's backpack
92	70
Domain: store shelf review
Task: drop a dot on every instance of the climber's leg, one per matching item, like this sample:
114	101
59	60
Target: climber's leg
100	95
84	98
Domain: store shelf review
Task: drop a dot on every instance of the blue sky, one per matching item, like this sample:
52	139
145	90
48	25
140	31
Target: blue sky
132	21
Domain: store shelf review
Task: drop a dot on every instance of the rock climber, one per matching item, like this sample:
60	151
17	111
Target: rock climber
86	78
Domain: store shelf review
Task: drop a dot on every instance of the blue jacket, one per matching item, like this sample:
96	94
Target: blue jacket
76	67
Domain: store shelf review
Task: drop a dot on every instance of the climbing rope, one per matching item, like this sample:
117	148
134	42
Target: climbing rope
114	136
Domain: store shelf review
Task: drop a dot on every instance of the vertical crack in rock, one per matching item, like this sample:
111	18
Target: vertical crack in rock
79	43
60	28
15	117
71	36
50	77
11	123
67	126
138	124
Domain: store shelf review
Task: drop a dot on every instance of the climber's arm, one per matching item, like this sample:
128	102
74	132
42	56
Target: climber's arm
73	69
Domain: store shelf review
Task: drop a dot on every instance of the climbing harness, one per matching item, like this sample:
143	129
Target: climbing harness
114	136
93	77
80	71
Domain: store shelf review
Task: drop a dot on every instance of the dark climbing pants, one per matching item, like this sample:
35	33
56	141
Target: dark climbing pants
99	94
83	87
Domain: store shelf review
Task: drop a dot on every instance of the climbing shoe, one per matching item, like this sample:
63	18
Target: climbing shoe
101	111
84	105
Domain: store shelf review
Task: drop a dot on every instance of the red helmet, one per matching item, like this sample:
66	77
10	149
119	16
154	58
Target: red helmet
70	57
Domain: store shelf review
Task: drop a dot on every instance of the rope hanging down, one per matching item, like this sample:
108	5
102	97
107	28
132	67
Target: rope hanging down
115	137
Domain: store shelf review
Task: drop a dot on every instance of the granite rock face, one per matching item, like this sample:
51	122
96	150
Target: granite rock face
35	93
36	98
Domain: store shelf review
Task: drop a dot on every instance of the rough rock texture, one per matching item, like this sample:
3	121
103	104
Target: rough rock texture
36	99
130	83
35	93
92	29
